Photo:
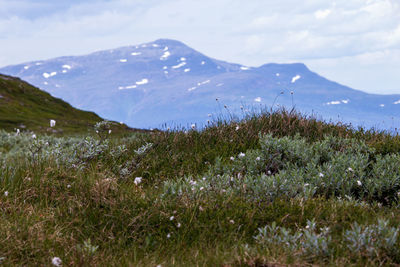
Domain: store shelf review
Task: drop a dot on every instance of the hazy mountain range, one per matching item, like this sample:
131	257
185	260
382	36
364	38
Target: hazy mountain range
166	81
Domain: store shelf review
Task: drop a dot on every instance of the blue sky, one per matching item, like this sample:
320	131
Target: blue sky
353	42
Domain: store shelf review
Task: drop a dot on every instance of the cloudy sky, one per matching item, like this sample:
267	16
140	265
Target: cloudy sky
353	42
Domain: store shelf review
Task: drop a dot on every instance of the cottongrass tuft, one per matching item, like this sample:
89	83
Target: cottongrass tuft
56	261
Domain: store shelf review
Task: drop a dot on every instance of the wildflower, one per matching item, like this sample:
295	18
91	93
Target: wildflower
241	155
138	180
168	235
321	174
6	193
269	172
56	261
34	136
232	158
192	182
201	188
201	208
232	221
258	158
204	178
171	218
52	123
237	128
306	185
178	225
350	169
359	183
109	131
68	186
193	126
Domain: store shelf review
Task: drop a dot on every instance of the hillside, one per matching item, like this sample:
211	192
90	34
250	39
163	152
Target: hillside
27	108
166	81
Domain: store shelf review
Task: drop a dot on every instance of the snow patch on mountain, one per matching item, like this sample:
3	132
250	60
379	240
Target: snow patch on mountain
295	78
143	81
179	65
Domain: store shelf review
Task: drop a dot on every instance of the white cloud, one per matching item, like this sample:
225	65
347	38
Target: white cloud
322	14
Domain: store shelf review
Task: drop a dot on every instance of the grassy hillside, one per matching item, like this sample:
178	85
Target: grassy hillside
269	190
25	107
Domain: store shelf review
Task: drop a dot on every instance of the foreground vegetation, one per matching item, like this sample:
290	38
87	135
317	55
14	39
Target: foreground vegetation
276	188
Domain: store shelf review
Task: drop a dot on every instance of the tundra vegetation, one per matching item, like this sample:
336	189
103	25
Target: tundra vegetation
270	188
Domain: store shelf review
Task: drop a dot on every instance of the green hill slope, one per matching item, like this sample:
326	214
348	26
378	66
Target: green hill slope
25	107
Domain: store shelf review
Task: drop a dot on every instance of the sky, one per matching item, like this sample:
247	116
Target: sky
352	42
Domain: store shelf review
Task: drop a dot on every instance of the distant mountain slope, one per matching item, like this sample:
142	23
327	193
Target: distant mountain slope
25	107
168	82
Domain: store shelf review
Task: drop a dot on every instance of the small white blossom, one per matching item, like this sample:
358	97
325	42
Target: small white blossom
171	218
34	136
68	186
269	172
18	131
232	158
201	188
350	169
6	193
241	155
138	180
237	128
306	184
178	225
56	261
52	123
109	131
359	183
168	235
193	126
201	208
232	221
321	174
258	158
204	178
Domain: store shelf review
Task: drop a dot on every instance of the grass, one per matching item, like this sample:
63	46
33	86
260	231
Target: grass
80	199
23	107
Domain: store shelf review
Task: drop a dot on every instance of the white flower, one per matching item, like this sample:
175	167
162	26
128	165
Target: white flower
306	184
241	155
168	235
68	186
192	182
159	265
109	131
193	126
237	128
171	218
232	158
269	172
258	158
34	136
232	221
178	225
138	180
350	169
204	178
52	123
6	193
359	183
321	174
201	188
18	131
56	261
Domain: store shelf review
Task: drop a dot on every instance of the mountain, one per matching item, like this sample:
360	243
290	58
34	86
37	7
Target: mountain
25	107
166	81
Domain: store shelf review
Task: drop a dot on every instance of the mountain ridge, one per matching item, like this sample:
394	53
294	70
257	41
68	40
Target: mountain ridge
166	81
